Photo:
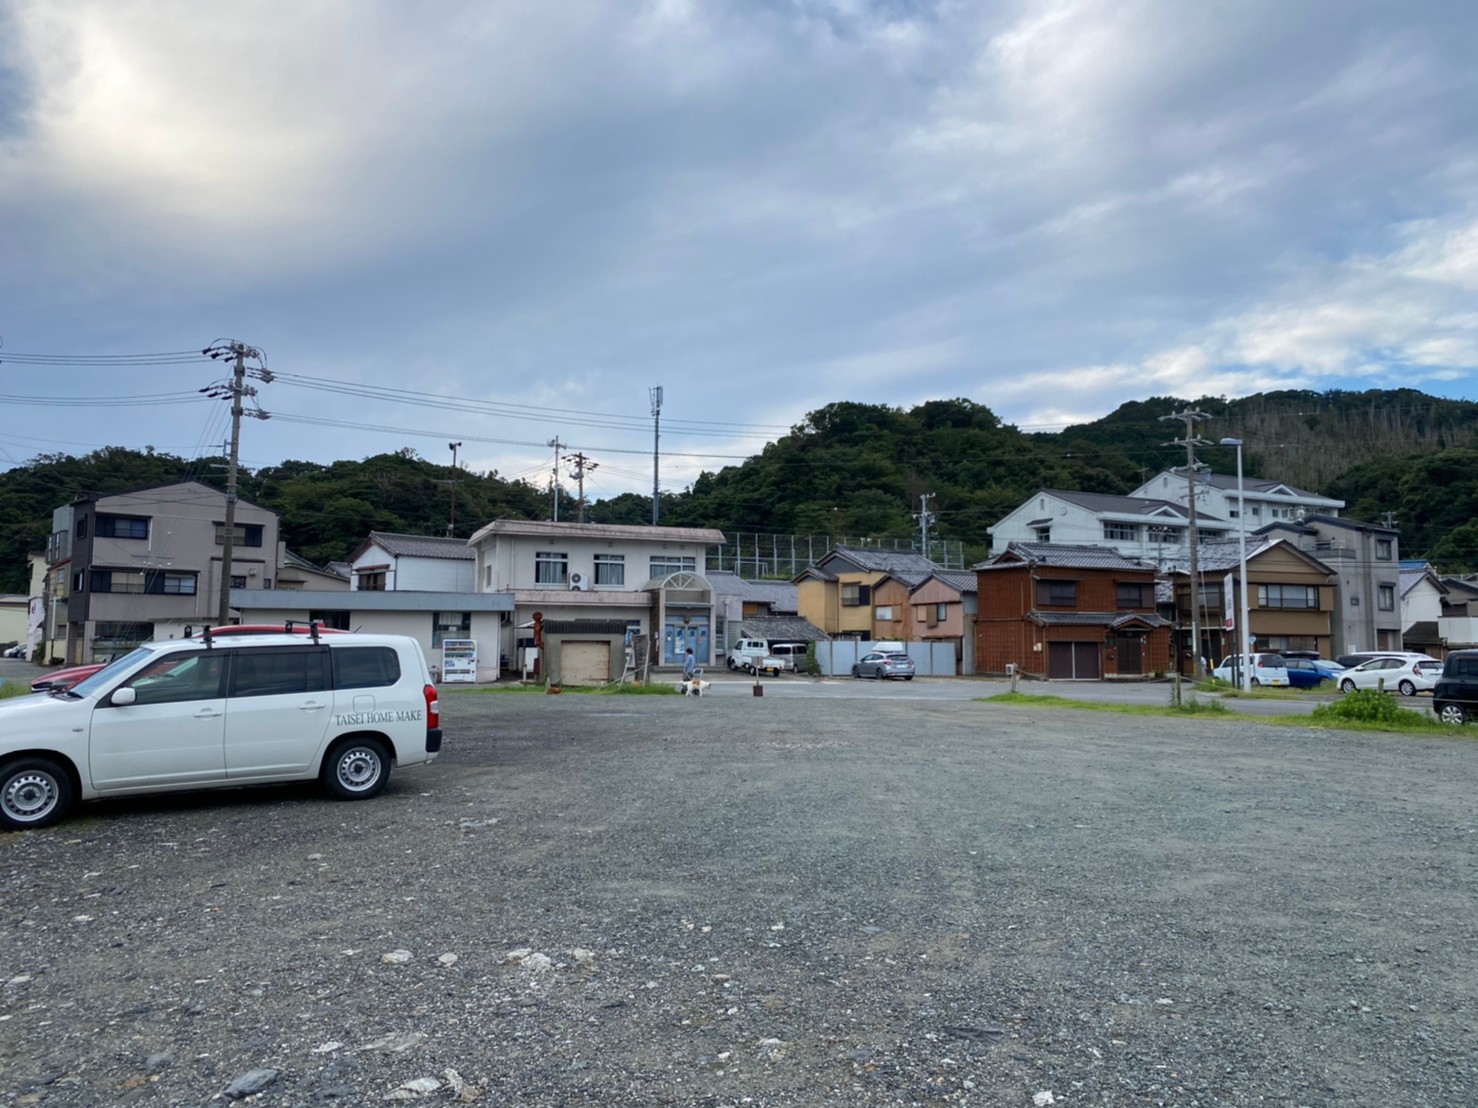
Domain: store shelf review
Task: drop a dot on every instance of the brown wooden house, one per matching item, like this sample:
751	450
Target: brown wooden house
1061	611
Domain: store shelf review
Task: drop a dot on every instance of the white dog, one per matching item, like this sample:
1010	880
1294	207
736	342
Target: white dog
696	687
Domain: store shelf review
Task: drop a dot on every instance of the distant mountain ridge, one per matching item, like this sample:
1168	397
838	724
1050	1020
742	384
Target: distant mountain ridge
860	469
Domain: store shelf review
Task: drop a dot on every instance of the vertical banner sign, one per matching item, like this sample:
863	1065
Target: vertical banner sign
1227	605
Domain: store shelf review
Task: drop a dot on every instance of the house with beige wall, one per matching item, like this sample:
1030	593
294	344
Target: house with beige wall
836	594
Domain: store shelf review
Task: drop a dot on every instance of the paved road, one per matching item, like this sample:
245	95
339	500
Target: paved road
781	901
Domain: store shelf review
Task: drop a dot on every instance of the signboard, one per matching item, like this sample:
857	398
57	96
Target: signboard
458	660
1227	605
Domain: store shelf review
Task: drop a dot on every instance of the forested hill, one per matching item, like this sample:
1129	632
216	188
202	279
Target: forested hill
859	469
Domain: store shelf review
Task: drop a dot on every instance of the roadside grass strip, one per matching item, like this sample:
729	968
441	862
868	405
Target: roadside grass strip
1352	713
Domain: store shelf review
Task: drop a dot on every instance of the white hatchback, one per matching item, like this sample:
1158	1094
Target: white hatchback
202	713
1407	674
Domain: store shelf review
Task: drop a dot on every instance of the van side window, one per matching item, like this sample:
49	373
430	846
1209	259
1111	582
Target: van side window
178	677
276	672
365	667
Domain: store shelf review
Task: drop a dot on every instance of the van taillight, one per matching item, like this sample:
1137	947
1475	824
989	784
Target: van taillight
433	707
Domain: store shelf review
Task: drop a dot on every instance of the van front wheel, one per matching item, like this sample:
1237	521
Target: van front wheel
34	792
357	769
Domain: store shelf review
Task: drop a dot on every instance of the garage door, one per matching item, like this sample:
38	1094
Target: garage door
1073	660
585	663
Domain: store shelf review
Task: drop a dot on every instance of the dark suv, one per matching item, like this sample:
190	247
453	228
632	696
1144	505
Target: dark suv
1455	699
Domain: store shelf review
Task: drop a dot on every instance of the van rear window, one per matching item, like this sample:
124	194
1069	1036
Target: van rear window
365	667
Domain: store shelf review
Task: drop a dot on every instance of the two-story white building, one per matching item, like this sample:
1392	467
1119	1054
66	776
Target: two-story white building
600	593
1216	495
390	562
1146	528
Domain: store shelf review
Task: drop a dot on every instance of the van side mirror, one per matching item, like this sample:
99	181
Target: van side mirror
123	697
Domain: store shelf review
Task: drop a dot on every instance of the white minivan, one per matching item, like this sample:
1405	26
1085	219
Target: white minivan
1267	669
218	713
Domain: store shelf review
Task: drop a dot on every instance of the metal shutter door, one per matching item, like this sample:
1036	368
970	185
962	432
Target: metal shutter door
585	663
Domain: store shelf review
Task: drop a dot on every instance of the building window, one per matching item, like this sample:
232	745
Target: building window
1121	532
885	613
1210	596
610	569
1132	594
82	527
238	582
117	581
112	640
1044	534
1287	642
1057	594
247	534
664	565
941	613
1167	536
169	584
487	576
856	596
122	527
78	578
1288	596
551	568
450	625
1383	549
371	582
1385	596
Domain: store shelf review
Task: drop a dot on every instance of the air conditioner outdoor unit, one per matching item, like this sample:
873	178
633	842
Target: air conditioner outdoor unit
578	583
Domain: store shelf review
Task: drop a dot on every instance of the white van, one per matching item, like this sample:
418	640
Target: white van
1267	669
205	713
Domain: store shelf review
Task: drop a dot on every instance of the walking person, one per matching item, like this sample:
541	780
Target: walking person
690	665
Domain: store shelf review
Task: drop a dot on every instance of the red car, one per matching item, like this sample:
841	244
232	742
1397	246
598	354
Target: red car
59	679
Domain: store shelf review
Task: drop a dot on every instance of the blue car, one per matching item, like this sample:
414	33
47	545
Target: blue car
1304	673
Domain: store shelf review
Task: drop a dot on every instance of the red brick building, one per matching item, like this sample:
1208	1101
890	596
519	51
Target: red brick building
1060	611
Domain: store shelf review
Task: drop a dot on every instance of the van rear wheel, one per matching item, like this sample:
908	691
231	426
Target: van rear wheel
1454	714
356	769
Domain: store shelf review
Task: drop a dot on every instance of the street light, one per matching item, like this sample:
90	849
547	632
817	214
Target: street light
1242	570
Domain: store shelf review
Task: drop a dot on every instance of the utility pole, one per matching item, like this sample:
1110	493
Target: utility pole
583	465
655	392
1190	442
925	517
554	479
235	390
452	522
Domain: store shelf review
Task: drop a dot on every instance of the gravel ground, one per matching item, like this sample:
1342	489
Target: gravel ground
727	901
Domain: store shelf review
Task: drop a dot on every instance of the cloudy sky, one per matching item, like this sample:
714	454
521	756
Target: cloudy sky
502	223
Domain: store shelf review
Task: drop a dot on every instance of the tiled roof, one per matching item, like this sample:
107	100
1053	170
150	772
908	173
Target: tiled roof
779	595
423	546
961	580
1130	505
621	532
781	629
1219	555
872	559
1228	482
1070	555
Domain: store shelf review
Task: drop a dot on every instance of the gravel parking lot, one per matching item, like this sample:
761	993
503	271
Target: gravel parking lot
770	901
